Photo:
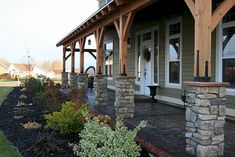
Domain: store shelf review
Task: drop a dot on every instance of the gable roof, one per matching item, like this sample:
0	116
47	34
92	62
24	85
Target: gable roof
23	67
4	63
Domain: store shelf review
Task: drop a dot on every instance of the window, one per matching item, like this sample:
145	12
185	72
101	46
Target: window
138	58
173	71
109	59
227	51
155	57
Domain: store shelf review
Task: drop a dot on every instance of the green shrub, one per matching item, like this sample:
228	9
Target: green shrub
99	139
33	85
69	119
40	98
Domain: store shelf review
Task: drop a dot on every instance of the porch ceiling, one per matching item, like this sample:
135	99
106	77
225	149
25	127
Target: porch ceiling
103	17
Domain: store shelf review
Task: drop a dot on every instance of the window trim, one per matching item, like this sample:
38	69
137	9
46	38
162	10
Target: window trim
107	42
219	53
141	32
167	61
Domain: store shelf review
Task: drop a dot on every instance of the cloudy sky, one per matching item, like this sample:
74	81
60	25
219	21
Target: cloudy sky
35	26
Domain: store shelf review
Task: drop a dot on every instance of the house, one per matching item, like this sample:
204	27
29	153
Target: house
4	65
21	70
171	44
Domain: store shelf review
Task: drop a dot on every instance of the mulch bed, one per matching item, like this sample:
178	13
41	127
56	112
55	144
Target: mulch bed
31	142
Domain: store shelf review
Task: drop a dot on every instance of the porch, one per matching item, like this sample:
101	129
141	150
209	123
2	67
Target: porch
166	124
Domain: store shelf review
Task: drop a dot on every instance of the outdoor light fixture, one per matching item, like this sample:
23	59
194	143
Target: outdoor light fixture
89	41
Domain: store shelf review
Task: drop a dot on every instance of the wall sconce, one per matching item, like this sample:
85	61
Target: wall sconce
89	41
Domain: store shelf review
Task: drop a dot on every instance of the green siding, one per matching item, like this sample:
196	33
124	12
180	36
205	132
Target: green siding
187	55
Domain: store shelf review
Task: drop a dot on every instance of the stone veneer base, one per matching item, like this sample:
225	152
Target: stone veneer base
73	80
64	80
124	97
205	118
83	84
100	84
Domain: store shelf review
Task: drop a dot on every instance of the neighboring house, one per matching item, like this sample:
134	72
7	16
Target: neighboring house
21	70
37	71
4	65
161	45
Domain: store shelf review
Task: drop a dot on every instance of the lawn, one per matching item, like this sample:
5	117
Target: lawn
6	148
4	91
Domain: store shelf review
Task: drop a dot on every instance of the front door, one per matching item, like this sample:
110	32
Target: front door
146	68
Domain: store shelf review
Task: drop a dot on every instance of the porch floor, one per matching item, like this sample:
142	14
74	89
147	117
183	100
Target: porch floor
166	124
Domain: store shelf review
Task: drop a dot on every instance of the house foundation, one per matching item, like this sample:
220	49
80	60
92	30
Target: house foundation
124	98
100	84
83	84
64	82
73	79
205	118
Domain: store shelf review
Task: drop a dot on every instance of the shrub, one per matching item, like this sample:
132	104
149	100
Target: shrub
68	120
99	139
33	85
40	98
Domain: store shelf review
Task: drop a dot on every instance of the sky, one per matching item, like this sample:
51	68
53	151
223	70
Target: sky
35	26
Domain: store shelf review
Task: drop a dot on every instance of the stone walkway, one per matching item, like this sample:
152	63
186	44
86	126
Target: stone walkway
166	124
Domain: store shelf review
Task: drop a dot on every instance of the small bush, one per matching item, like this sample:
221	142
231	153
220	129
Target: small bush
31	125
40	98
68	120
33	85
99	139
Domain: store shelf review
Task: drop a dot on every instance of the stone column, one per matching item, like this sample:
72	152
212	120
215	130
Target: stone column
83	84
73	79
100	84
64	80
124	97
205	118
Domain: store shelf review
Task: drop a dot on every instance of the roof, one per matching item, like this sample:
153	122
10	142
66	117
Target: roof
89	21
4	63
23	67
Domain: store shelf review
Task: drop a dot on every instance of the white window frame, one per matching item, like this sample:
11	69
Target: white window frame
151	29
219	53
167	61
107	42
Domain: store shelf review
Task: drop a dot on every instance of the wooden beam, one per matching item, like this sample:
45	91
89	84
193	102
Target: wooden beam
81	46
104	11
203	12
72	47
93	19
121	2
109	19
67	57
85	50
220	11
111	7
98	16
64	59
123	25
92	54
191	5
99	38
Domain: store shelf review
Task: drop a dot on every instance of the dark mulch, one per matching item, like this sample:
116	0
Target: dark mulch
31	141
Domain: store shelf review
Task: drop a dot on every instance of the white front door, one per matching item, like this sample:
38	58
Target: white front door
146	70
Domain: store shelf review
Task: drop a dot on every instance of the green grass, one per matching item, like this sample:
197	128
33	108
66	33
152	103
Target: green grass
4	91
6	149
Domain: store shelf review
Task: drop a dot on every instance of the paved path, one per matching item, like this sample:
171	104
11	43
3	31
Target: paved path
9	84
166	125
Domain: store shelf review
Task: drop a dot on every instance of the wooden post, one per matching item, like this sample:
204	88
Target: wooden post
99	38
82	45
72	46
123	25
205	23
64	59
